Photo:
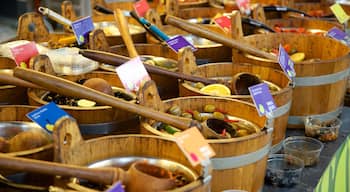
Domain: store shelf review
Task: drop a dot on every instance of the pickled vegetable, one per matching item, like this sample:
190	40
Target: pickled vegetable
209	108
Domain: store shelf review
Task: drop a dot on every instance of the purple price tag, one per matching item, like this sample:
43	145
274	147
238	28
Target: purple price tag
286	63
116	187
81	29
178	42
262	98
338	34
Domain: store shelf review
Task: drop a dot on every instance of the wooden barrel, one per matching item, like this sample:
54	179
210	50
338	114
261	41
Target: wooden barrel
282	97
10	94
78	151
10	113
319	84
207	51
97	120
239	163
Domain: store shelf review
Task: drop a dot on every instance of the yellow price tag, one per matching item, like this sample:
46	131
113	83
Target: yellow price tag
339	13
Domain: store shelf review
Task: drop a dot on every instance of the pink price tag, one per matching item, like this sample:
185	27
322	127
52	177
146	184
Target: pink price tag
23	53
132	74
141	7
243	6
224	22
194	146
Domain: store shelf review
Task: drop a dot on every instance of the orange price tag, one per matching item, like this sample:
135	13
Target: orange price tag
194	146
339	13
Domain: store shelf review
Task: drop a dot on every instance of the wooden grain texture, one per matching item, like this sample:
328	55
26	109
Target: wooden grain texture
249	177
31	27
333	55
274	76
173	7
70	148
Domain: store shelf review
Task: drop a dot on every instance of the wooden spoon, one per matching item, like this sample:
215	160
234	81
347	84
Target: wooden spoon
242	81
69	88
217	37
141	175
116	60
8	79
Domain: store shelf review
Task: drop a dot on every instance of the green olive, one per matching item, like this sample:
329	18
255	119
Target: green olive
199	85
218	115
175	110
242	132
197	116
187	115
209	108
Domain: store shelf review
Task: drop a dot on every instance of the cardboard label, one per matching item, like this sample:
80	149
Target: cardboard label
262	98
285	62
116	187
81	29
194	146
23	53
178	42
47	115
340	35
339	13
224	22
141	7
132	74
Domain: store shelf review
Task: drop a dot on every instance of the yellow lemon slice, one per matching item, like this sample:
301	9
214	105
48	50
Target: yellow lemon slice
216	89
86	103
297	57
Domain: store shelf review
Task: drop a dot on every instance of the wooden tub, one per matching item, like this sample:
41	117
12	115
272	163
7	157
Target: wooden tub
10	94
319	84
84	152
239	163
97	120
282	97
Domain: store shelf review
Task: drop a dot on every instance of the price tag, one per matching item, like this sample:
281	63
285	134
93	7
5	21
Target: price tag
132	74
262	98
141	7
243	6
81	29
178	42
286	63
224	22
23	53
194	146
339	13
338	34
47	115
116	187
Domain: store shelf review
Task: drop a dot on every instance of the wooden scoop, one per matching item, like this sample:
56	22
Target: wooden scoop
242	81
217	37
114	59
8	79
141	176
68	88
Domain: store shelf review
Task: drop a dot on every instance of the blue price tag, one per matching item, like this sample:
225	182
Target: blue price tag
81	29
262	98
47	115
286	63
116	187
340	35
178	42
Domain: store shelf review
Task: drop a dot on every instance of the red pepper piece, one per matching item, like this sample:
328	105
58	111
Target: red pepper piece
230	120
189	111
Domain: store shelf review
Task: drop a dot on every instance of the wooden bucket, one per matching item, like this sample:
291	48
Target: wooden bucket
239	163
12	113
319	85
207	51
97	120
84	152
177	9
283	97
10	94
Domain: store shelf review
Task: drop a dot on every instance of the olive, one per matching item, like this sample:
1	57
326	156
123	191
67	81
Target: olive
209	108
199	85
175	110
242	132
187	115
197	116
218	115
